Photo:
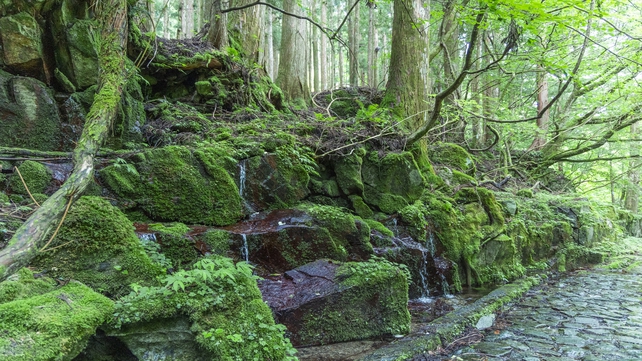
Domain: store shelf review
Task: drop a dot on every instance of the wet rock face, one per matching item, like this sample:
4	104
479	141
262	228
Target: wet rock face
325	302
284	239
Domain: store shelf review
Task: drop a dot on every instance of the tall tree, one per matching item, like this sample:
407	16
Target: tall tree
408	72
292	77
245	27
353	46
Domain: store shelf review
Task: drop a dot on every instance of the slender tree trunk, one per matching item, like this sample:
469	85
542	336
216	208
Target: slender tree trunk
180	33
323	50
372	43
353	46
292	78
266	50
632	200
32	235
188	19
166	34
316	63
542	101
340	51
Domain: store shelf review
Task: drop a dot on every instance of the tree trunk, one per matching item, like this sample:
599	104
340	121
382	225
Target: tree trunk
372	43
316	63
632	200
542	101
353	46
245	26
166	34
407	89
188	19
266	51
323	51
180	33
217	33
31	236
293	78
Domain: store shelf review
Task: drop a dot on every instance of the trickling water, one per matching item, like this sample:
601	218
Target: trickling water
147	237
242	177
245	252
430	244
423	274
395	231
445	288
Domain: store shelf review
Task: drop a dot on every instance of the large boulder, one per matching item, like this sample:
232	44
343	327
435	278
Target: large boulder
391	182
174	184
29	114
22	51
41	321
326	302
97	246
212	312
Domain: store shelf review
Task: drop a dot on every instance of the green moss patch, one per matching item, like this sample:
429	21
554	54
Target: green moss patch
51	326
35	175
97	246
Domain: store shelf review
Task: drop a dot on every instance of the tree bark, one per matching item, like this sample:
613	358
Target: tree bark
407	82
217	33
632	200
245	26
372	43
31	236
353	46
292	78
542	101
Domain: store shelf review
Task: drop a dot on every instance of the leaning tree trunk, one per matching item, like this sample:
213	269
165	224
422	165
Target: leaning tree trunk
32	235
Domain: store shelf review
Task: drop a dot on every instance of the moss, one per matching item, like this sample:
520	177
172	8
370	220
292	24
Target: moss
4	198
360	207
52	326
97	246
217	240
525	192
348	172
23	285
229	319
392	182
380	285
486	198
174	243
35	175
168	184
346	231
452	155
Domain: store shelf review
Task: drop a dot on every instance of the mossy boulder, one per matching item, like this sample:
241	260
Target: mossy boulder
23	284
97	245
274	180
54	325
212	312
175	185
452	156
35	175
20	36
175	244
326	302
30	115
348	172
391	182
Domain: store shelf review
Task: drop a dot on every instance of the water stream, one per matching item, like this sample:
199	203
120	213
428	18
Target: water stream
245	252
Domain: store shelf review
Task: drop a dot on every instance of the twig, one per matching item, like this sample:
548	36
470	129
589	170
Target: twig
27	188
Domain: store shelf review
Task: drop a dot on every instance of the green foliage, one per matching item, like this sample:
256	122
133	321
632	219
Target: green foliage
222	300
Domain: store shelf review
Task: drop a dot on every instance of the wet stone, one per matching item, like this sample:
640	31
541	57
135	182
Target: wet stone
587	315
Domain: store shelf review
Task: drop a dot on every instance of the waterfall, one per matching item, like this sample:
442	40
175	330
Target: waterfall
147	237
242	177
245	252
423	275
430	244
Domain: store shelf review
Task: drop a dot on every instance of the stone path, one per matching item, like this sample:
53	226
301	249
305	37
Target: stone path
586	315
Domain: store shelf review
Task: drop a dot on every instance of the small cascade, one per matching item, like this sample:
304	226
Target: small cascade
430	244
245	252
395	229
242	170
147	237
423	275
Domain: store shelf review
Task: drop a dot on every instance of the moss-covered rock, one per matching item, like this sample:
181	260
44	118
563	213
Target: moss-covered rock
452	155
348	172
97	246
335	302
35	176
53	325
170	184
22	44
30	115
391	182
22	284
220	300
174	244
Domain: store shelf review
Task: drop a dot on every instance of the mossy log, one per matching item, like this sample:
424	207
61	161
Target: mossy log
32	235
